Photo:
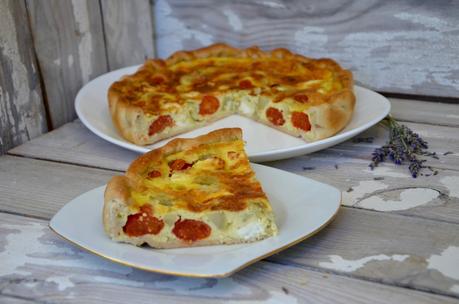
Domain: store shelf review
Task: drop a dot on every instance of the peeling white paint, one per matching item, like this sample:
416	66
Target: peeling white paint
25	252
85	47
446	262
409	198
173	31
233	19
340	264
275	298
63	282
455	288
422	43
428	21
26	102
271	4
384	171
452	184
24	248
359	191
57	61
313	37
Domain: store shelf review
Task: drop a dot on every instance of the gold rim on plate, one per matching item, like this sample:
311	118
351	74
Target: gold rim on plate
193	275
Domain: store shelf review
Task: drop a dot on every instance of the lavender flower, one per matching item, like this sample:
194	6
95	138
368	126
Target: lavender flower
404	146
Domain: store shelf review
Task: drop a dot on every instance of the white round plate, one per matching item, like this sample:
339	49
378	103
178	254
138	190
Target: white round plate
299	214
262	142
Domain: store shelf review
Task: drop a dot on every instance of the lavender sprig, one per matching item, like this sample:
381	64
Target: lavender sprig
404	146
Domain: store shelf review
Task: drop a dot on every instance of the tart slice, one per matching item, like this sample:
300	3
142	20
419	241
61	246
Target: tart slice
190	192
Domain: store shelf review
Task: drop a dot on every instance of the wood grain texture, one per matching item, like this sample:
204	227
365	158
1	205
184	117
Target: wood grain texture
15	300
87	149
385	189
435	113
391	46
50	270
390	248
31	187
388	188
70	48
128	32
90	150
22	113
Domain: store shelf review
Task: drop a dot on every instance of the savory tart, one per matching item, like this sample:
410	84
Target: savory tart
190	192
304	97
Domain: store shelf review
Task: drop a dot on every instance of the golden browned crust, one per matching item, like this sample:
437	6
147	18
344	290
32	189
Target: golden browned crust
133	123
116	193
181	144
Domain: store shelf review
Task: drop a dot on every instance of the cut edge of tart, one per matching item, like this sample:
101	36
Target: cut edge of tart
190	192
304	97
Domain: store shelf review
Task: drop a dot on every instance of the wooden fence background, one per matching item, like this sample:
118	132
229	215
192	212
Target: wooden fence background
50	48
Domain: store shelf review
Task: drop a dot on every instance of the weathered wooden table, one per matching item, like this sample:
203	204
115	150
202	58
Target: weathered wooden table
395	240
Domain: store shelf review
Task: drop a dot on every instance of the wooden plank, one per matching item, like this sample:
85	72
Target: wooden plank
388	188
344	166
46	268
441	140
392	46
128	32
30	187
15	300
87	148
390	248
22	113
70	48
90	150
415	253
435	113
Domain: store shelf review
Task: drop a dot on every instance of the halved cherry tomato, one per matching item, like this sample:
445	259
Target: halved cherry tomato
154	173
143	223
179	164
301	98
160	124
300	120
191	230
245	84
275	116
209	105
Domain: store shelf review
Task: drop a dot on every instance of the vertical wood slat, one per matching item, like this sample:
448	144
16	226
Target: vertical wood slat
128	28
69	43
22	113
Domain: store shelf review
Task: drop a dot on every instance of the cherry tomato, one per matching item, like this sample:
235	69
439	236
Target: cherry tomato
209	105
275	116
191	230
300	120
160	124
143	223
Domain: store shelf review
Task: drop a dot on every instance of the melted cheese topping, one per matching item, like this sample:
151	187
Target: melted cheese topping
160	88
217	177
